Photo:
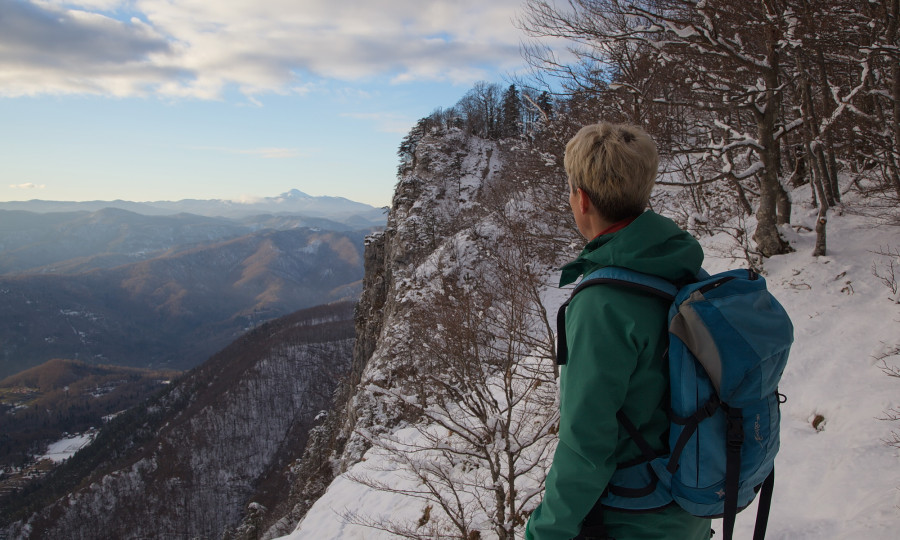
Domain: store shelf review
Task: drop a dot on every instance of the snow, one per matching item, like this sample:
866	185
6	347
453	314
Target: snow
65	448
312	247
683	33
833	483
324	519
837	483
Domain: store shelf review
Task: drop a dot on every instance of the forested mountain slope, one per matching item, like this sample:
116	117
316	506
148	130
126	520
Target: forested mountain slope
221	438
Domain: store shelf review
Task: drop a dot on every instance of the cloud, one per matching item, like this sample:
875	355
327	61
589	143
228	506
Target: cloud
196	48
248	199
27	185
46	49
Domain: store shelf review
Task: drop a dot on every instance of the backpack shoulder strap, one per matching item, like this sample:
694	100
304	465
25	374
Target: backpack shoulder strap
632	279
611	275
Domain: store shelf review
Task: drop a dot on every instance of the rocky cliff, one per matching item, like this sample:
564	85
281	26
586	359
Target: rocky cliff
465	201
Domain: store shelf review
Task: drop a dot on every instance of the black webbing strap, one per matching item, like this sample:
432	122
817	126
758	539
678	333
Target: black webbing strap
562	348
648	455
639	440
690	427
636	493
765	504
735	439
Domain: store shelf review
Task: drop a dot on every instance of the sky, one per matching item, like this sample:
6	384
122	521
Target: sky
149	100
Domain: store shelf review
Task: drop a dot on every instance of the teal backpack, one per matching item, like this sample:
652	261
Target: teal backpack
729	340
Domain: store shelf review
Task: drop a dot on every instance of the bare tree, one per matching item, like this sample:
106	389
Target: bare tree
722	61
481	108
731	89
871	59
485	393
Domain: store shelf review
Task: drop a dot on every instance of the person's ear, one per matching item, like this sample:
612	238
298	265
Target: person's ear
584	202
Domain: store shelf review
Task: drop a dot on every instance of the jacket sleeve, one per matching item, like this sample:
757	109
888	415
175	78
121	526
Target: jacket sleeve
593	386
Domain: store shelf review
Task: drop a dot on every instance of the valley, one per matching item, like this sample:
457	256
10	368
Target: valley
162	291
49	412
105	312
186	460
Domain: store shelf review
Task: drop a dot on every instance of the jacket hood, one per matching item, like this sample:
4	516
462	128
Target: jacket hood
652	244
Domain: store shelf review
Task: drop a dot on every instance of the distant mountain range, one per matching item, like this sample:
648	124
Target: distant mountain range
166	289
338	209
73	242
173	310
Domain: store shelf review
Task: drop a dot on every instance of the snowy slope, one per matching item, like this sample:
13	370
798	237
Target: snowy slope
65	448
835	482
840	482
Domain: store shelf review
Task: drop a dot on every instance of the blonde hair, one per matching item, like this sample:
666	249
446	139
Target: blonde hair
616	165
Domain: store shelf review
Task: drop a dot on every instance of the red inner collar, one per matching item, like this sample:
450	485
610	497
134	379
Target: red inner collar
617	226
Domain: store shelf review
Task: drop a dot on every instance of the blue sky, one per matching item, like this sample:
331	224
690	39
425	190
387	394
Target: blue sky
171	99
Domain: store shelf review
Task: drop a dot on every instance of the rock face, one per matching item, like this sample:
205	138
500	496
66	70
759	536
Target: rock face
224	435
451	203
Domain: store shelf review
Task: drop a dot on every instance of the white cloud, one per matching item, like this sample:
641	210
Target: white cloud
248	199
27	185
47	49
197	48
96	5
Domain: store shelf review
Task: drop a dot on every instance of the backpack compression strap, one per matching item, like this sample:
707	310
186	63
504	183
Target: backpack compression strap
610	274
734	441
765	504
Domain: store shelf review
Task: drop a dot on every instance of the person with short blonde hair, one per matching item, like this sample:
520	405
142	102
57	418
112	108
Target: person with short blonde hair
616	339
616	165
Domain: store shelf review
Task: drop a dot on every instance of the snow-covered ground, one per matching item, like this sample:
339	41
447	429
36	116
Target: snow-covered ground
326	519
65	448
837	482
841	481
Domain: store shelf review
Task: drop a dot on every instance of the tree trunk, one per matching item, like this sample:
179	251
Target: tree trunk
813	142
782	206
832	166
895	143
766	235
828	107
821	222
822	219
798	176
830	195
767	238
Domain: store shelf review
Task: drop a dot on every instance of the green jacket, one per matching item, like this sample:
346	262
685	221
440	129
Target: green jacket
616	339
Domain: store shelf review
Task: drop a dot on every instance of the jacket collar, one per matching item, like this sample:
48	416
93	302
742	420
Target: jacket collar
574	269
